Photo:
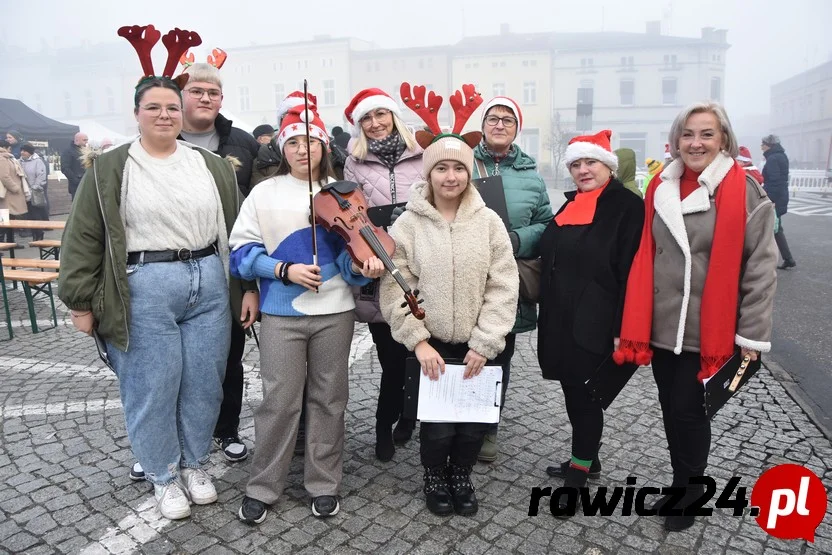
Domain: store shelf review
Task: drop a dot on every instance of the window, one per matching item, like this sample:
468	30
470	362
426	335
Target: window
530	92
583	111
495	64
329	92
89	101
111	101
499	89
627	89
298	64
669	91
630	61
530	142
245	101
421	63
716	88
369	67
635	141
821	102
525	63
279	94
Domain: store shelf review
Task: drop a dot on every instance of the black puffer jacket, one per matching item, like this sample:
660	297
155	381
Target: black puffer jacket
776	178
239	144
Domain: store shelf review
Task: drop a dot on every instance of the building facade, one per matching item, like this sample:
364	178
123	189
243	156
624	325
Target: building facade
801	114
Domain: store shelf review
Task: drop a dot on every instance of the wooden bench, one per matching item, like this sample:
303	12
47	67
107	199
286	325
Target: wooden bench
35	284
31	263
49	248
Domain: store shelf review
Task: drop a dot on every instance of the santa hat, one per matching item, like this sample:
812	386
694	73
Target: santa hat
366	101
667	155
596	147
507	103
745	155
293	125
293	99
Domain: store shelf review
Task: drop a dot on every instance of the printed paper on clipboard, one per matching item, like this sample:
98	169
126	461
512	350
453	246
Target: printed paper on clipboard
454	399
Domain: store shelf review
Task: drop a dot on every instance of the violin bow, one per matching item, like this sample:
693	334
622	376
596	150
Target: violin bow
309	165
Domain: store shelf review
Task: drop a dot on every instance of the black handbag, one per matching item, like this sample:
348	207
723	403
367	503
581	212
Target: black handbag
728	380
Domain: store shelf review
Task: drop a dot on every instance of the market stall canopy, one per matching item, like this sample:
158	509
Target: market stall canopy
14	114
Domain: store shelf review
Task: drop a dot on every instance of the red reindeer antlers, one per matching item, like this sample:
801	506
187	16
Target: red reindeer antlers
187	59
143	40
218	58
428	112
178	42
464	104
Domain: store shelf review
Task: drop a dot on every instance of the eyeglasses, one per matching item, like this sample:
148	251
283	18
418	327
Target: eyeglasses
155	110
508	121
293	145
379	115
196	93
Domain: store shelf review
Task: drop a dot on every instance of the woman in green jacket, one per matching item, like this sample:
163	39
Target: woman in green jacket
145	266
529	211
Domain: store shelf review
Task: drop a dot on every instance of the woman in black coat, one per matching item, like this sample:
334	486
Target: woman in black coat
586	255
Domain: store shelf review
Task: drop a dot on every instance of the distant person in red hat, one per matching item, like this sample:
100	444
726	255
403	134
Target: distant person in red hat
748	164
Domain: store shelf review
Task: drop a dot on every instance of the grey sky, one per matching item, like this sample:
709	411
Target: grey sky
771	39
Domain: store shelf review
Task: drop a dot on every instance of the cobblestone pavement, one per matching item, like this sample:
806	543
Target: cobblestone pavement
64	461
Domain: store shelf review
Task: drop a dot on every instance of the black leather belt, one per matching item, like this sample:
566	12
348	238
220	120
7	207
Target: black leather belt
181	255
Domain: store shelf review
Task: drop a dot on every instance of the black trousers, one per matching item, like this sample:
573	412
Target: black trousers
391	357
7	235
686	425
38	213
228	422
782	244
587	419
459	442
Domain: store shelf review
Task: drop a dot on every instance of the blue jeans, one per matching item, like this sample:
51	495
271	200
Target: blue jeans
171	375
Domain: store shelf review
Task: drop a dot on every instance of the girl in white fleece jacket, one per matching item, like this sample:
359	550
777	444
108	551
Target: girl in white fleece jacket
457	252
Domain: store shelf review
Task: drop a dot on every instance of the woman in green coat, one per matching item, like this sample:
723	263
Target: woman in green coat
529	211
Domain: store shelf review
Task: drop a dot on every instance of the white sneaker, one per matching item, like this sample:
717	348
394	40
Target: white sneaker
199	485
172	501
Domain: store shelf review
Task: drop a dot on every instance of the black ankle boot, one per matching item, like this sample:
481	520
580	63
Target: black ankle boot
575	478
403	430
559	471
465	500
384	442
437	496
677	523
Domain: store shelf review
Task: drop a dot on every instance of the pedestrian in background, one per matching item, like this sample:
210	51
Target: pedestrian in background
776	184
35	170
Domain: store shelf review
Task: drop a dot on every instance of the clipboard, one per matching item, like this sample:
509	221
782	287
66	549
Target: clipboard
380	215
608	380
413	378
493	194
723	385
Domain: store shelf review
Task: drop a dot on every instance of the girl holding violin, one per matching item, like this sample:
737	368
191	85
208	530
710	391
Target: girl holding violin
307	327
458	254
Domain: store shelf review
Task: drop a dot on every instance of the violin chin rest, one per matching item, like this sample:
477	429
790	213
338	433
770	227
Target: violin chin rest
342	187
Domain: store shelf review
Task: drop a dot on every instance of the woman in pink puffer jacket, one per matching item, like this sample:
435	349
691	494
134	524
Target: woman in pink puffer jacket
385	161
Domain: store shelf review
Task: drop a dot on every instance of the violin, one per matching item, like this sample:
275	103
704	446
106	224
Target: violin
341	207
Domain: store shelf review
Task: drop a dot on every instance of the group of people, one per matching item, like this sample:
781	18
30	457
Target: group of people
174	249
23	183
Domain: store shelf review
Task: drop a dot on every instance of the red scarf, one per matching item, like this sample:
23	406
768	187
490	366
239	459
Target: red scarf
581	211
717	320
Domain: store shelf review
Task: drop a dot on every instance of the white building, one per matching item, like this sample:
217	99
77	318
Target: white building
801	114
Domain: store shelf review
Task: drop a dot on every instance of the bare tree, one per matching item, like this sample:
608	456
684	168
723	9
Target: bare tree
556	142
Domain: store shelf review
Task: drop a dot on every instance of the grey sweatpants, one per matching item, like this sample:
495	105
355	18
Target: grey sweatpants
298	350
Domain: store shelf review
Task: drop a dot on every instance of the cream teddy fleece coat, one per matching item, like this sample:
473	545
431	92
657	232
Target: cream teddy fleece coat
464	270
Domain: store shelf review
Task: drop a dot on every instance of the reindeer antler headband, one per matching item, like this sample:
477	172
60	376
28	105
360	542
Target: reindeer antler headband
464	104
177	41
216	58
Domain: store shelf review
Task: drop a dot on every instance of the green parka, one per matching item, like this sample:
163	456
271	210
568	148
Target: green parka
94	248
626	173
529	211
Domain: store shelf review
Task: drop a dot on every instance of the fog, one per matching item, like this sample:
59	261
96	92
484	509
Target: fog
770	39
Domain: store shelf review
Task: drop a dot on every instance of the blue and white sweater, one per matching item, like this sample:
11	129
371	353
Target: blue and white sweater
272	227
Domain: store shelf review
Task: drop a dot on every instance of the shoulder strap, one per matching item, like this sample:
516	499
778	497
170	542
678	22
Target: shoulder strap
481	171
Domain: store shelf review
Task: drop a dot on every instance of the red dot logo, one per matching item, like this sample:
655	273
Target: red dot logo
791	501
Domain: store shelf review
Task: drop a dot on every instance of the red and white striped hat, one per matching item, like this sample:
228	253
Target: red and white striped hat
293	125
